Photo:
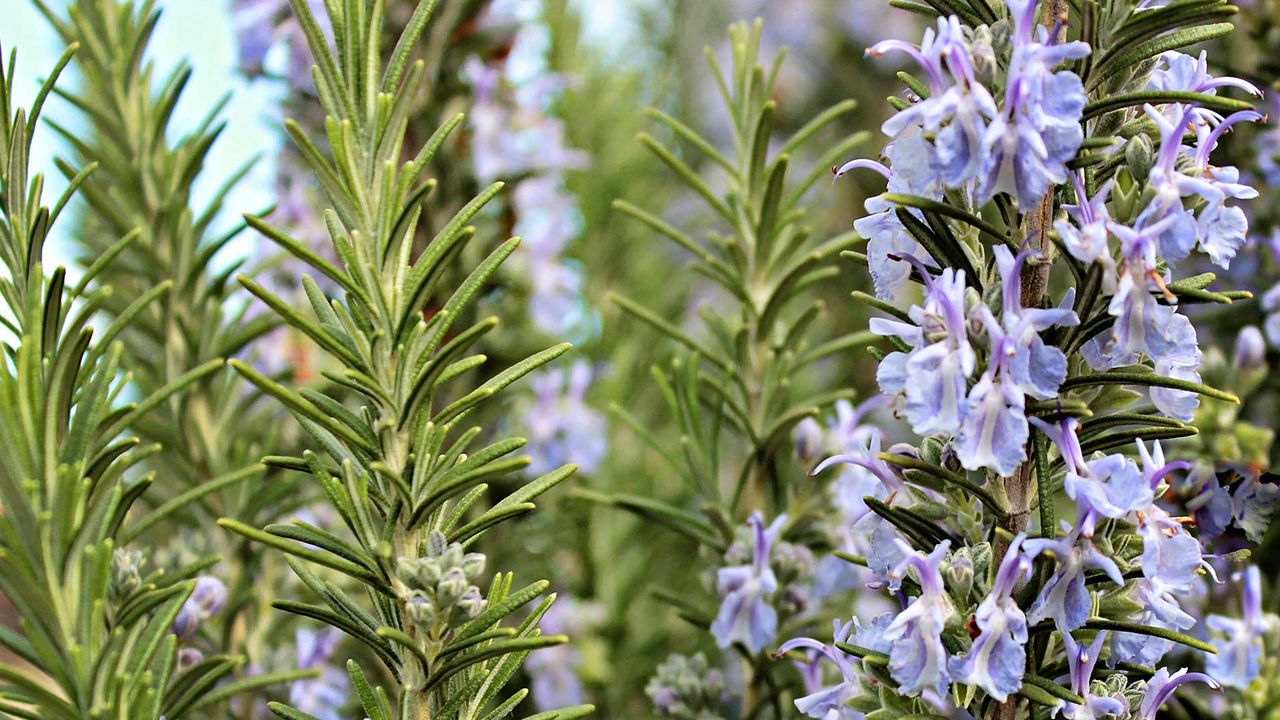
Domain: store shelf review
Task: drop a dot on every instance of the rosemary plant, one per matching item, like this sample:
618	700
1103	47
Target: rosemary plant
397	470
737	396
1045	179
94	629
211	436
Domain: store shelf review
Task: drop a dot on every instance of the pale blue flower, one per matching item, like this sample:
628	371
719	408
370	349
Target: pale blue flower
829	702
562	428
324	695
958	107
941	359
746	615
887	238
1087	239
1219	229
918	660
1065	598
1179	72
993	433
1239	641
1160	688
1080	663
1037	131
997	659
1255	504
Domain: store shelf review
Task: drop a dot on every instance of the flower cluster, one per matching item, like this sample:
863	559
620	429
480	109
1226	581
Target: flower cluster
1010	380
438	593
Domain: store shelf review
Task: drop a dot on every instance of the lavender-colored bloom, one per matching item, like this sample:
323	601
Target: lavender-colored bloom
1087	239
918	660
1144	326
887	238
323	696
1220	230
206	599
1239	641
993	433
1027	145
1112	486
554	671
941	360
1064	597
1250	351
1179	72
745	613
1161	686
957	109
828	702
1080	662
562	427
867	458
1212	506
1270	303
1255	504
998	657
263	24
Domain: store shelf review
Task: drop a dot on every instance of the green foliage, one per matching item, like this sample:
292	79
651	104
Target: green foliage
398	470
95	627
741	376
144	181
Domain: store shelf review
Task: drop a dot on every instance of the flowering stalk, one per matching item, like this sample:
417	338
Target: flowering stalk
1005	359
397	470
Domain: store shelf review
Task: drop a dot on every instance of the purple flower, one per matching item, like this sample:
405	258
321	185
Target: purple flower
562	427
828	702
998	657
1212	507
1087	239
1027	145
993	432
918	660
323	696
958	107
1160	688
1179	72
206	599
1219	229
868	459
1145	327
887	238
1255	503
1080	662
1064	597
941	359
1239	641
745	613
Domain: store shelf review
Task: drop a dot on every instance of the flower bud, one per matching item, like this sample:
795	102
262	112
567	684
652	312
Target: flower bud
1251	349
807	437
436	543
186	623
451	587
208	597
1140	156
126	572
472	603
473	565
420	609
983	53
188	658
